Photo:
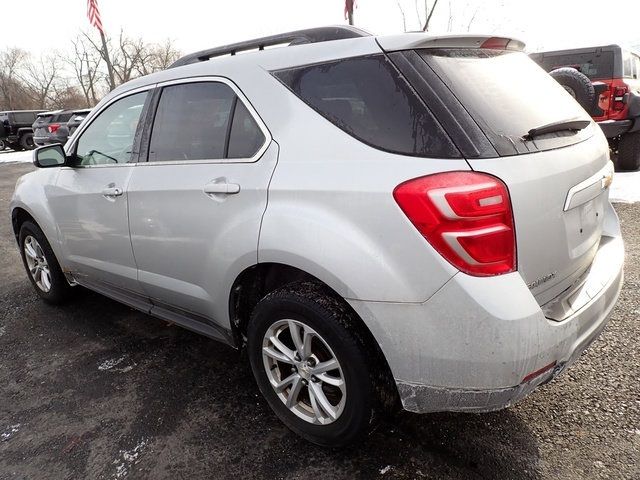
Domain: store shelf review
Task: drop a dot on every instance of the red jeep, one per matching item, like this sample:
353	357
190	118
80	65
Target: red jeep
605	81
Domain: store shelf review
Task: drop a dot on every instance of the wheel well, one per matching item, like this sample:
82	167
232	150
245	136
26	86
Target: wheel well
18	217
261	279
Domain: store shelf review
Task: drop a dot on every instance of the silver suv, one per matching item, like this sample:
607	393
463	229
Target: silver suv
408	220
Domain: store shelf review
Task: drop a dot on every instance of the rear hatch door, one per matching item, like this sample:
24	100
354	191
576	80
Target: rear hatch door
556	179
40	125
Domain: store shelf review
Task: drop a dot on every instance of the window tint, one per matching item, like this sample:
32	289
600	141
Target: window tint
367	98
109	139
191	122
64	117
24	117
507	94
593	65
246	137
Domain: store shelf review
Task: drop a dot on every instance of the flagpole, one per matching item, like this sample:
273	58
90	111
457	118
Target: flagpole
112	83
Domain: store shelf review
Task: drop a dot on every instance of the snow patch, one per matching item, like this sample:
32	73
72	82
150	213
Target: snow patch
9	156
9	432
128	458
112	362
625	187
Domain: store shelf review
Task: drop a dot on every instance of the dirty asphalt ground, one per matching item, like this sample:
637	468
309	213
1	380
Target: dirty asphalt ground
94	389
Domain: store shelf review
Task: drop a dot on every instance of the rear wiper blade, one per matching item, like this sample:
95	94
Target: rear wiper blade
561	126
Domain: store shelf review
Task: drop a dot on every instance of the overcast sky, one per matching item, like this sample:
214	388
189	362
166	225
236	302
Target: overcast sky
195	25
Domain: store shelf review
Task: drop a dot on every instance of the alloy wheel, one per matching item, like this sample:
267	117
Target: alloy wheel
304	372
37	264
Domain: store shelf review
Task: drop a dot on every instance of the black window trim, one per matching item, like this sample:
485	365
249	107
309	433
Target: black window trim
239	95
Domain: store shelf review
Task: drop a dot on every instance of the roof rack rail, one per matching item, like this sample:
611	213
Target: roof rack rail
311	35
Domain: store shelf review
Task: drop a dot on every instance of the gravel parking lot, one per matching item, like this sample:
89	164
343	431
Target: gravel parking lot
94	389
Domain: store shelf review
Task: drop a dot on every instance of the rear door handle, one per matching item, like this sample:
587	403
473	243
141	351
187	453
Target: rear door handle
111	192
221	188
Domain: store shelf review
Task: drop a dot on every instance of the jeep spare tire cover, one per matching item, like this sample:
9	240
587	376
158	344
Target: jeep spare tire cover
577	84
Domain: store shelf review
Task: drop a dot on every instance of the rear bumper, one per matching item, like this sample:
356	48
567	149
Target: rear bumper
49	140
613	128
474	345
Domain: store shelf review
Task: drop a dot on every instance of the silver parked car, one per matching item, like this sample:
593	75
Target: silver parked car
408	220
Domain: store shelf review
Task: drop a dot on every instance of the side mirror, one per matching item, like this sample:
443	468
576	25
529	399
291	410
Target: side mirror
49	156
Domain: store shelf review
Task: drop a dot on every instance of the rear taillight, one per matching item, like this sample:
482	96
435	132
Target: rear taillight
53	128
466	217
619	101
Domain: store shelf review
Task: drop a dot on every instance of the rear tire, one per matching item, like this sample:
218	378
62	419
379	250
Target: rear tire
629	151
42	267
577	84
26	141
315	314
2	145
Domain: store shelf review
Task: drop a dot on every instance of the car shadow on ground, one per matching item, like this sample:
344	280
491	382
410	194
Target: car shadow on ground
113	389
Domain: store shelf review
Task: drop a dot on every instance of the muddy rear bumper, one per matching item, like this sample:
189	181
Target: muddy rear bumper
482	344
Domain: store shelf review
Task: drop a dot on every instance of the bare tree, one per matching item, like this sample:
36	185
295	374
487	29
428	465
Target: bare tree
458	19
86	63
11	89
132	57
404	17
421	10
39	77
162	56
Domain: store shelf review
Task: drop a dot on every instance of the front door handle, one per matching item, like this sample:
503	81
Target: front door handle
111	192
221	188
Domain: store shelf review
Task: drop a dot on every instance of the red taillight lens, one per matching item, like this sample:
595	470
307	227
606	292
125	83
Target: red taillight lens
53	128
618	98
466	217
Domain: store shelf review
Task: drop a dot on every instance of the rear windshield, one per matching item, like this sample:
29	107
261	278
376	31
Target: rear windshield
64	117
507	94
369	99
593	65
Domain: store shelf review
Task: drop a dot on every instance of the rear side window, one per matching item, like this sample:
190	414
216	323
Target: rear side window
369	99
595	65
24	117
507	94
202	121
246	137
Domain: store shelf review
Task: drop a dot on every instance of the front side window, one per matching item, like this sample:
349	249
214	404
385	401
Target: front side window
369	99
109	138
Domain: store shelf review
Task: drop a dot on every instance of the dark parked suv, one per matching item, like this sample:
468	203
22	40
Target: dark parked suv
15	129
605	81
76	119
50	127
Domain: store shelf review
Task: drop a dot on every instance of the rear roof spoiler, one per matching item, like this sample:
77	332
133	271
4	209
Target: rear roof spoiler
311	35
411	41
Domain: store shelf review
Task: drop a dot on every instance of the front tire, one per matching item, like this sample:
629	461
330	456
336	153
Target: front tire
41	265
629	151
310	365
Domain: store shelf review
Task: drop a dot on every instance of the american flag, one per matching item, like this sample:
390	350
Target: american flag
93	13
